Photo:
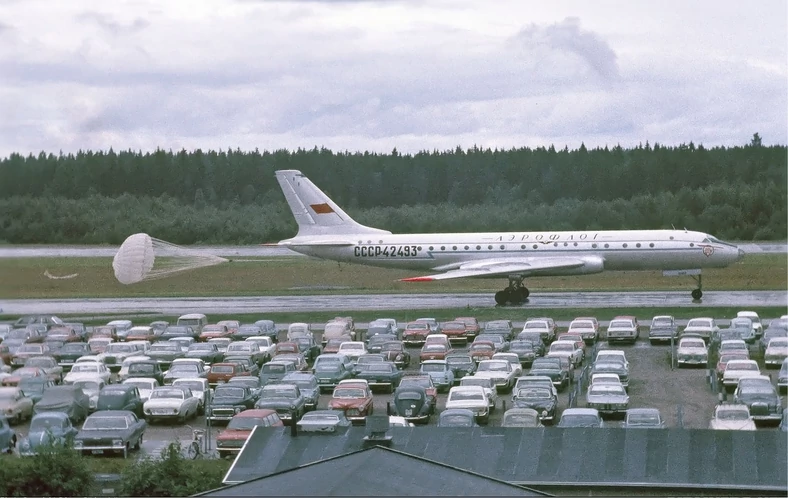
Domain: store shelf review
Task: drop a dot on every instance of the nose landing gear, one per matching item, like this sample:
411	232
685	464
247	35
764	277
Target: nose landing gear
515	294
697	293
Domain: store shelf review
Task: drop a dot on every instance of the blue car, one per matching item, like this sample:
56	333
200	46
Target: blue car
47	428
7	436
440	372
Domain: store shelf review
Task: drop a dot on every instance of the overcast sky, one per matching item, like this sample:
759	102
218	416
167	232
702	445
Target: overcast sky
374	75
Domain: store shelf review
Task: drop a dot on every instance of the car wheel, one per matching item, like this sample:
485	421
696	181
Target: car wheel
12	444
126	451
138	445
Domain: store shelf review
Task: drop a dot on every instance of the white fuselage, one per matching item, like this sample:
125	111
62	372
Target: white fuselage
601	250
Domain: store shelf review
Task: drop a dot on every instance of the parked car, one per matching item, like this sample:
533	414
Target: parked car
499	341
550	367
171	403
183	369
580	417
732	417
735	370
26	351
472	327
586	327
49	428
643	418
120	397
457	417
536	342
307	384
692	351
297	359
284	398
434	352
776	352
87	370
165	351
613	367
608	399
395	352
755	319
143	333
91	388
14	405
462	365
222	343
199	388
471	397
376	342
567	349
705	327
440	371
663	329
760	396
521	417
524	350
230	440
481	350
544	326
425	382
213	330
67	399
49	365
355	399
456	331
205	351
723	360
276	370
33	387
541	399
501	372
485	383
623	329
782	377
70	352
248	349
324	421
352	349
330	373
144	385
412	403
229	400
110	432
222	372
380	374
115	353
148	369
415	333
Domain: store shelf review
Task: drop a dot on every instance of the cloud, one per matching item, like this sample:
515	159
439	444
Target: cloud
112	25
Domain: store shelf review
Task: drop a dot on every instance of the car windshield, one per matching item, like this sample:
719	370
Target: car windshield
193	385
143	368
271	368
165	346
141	384
459	360
494	366
417	326
476	381
521	345
241	347
167	394
278	392
517	419
433	367
620	324
756	388
350	345
88	385
379	367
40	361
456	420
42	422
434	348
409	395
481	347
699	323
467	396
535	325
321	418
73	348
544	364
112	392
416	382
731	414
643	419
349	393
120	348
562	347
228	392
742	365
85	367
778	342
579	421
105	423
184	369
606	389
534	393
327	366
203	346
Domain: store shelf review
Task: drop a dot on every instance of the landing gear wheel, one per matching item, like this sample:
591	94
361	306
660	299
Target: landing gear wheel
697	294
502	297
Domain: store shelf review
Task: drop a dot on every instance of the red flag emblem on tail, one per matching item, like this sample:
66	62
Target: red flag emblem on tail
321	208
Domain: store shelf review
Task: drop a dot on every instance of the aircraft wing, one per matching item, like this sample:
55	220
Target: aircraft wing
502	267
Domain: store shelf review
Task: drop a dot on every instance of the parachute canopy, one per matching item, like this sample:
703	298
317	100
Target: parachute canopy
142	257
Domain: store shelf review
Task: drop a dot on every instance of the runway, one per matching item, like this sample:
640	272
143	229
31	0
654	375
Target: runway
350	302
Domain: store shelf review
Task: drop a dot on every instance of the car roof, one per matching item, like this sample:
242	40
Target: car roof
580	411
111	413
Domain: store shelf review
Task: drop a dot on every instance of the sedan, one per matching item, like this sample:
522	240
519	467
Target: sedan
171	403
110	432
607	398
87	370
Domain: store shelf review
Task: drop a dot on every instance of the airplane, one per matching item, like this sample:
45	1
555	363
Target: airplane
325	231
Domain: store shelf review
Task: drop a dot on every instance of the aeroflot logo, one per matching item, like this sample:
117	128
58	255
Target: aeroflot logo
321	208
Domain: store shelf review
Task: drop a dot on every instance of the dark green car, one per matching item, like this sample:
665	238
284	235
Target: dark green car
329	374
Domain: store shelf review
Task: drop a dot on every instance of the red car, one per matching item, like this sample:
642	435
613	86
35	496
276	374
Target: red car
17	375
416	333
481	350
222	372
233	437
332	346
63	333
472	327
434	352
456	331
287	348
212	331
354	398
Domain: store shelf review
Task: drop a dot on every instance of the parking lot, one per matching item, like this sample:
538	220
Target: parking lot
683	396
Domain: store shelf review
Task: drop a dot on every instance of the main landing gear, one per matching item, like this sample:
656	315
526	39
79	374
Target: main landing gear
697	293
516	293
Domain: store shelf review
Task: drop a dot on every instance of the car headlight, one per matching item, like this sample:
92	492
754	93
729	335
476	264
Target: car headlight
117	442
399	357
237	409
78	444
24	445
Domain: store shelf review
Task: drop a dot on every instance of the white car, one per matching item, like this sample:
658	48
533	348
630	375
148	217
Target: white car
298	329
733	346
221	343
500	371
776	352
87	371
123	374
543	326
616	355
472	398
91	387
511	358
705	327
567	349
692	351
585	328
622	330
487	385
169	402
605	378
352	349
736	370
116	353
756	321
145	385
732	417
199	388
265	343
89	358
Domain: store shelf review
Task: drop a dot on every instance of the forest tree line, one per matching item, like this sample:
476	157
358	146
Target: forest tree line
232	197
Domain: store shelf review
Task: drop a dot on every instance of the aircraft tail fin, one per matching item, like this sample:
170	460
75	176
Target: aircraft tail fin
314	211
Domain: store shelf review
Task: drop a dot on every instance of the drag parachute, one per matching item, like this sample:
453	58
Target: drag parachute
142	257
